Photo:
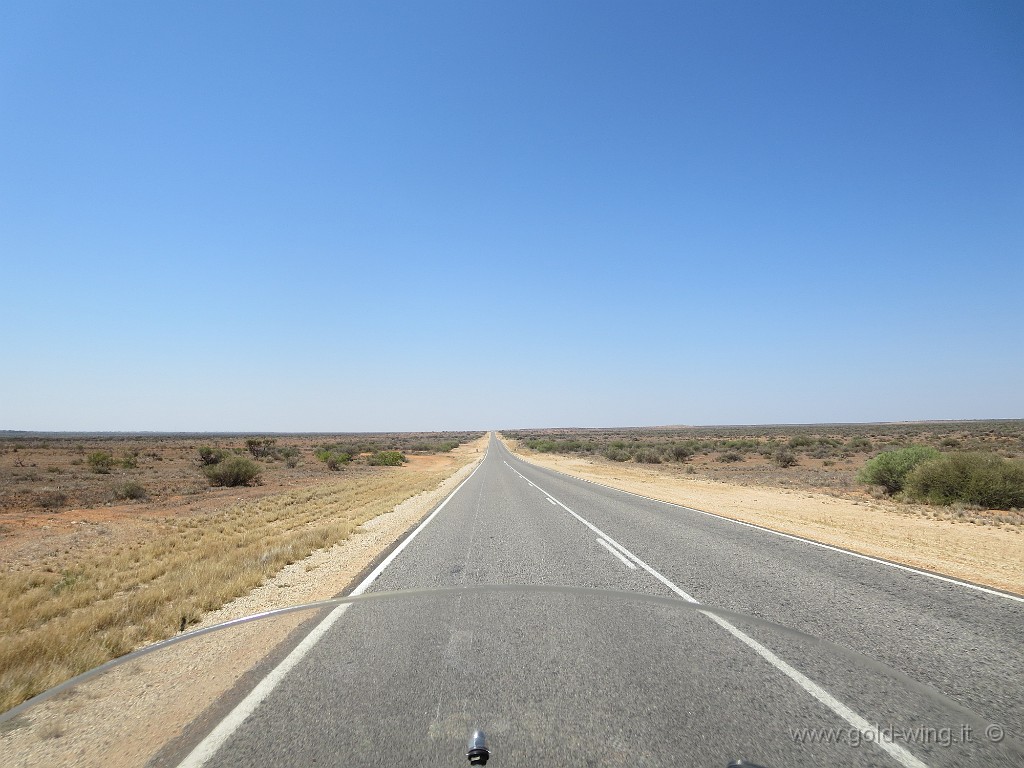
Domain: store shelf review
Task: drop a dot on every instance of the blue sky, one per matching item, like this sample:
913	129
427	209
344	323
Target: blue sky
408	216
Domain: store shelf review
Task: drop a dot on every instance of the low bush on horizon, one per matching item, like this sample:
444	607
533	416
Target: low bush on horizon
261	447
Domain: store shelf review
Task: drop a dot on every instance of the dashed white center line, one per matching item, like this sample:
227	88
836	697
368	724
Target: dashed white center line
552	501
615	552
872	733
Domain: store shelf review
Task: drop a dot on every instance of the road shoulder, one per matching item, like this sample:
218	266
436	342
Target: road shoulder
987	555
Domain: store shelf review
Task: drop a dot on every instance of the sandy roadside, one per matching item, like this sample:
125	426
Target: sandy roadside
128	715
988	555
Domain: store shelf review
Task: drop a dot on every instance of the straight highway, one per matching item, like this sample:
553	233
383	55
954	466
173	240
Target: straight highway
574	678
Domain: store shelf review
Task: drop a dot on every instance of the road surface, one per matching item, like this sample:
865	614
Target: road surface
571	679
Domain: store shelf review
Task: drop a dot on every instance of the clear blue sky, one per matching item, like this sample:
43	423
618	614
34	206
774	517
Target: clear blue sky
428	215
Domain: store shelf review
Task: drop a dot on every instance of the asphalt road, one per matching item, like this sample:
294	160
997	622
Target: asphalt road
564	678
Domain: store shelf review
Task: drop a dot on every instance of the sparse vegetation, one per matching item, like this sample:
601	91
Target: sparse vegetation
55	473
290	455
100	462
60	620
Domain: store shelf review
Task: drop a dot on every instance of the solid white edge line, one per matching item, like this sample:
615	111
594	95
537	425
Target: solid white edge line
215	739
883	741
812	542
615	552
903	756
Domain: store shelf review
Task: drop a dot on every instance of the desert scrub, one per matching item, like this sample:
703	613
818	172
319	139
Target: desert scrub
233	471
334	460
260	447
209	456
784	458
984	479
387	459
130	490
647	456
100	462
889	469
52	500
58	623
617	454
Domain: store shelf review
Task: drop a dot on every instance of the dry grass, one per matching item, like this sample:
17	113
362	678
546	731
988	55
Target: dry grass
56	623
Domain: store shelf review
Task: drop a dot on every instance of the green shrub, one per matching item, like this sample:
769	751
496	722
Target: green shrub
647	456
784	458
890	468
101	462
236	470
730	457
617	454
210	456
387	459
434	446
858	444
985	479
130	460
129	491
333	459
260	447
682	452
